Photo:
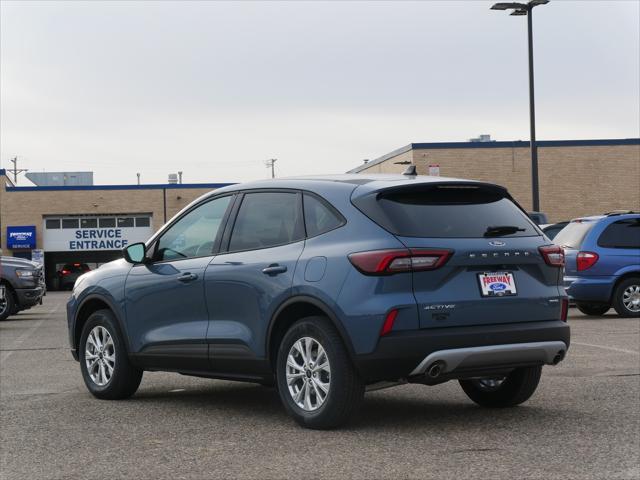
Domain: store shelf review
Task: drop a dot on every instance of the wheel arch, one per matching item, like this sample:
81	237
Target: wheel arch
89	305
622	278
294	309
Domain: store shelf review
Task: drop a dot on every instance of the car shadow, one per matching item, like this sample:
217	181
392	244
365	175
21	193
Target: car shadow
378	412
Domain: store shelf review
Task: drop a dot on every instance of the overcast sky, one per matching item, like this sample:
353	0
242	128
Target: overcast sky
215	89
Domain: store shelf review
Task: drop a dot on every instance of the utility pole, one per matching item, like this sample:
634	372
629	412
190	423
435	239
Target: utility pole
272	163
16	170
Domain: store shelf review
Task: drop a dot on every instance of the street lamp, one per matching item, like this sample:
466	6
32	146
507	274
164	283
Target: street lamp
527	9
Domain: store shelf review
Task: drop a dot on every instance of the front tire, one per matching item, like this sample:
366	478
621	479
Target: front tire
106	369
626	298
7	304
593	309
317	382
512	390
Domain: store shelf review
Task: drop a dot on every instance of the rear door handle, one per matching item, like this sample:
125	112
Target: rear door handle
187	277
274	269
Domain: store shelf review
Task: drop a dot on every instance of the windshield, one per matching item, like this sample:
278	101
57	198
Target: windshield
573	234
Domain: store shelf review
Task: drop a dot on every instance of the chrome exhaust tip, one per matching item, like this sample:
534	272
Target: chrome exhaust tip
435	369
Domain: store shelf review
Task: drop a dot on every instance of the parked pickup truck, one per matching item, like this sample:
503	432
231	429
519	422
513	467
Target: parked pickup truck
21	285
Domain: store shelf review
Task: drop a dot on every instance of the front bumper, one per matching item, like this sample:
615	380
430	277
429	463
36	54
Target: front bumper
402	355
28	297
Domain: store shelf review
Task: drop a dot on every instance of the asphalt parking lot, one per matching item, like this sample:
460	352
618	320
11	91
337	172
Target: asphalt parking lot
583	422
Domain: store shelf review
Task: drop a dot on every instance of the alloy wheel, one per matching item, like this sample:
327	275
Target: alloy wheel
100	355
631	298
308	374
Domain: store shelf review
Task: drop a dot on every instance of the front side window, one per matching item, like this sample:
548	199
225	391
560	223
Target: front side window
267	219
319	217
621	234
193	235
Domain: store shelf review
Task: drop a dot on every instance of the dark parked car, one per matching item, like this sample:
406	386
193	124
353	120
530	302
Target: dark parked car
553	229
539	218
69	273
328	286
21	285
603	263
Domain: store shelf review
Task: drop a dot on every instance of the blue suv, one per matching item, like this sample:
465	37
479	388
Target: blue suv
329	286
603	263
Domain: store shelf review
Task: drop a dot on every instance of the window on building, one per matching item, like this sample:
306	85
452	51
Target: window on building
52	223
70	223
266	220
143	222
107	222
89	223
125	222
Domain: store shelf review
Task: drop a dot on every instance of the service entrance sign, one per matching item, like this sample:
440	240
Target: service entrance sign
88	239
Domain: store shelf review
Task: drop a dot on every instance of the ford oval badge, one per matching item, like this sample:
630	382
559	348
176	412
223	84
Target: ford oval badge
497	243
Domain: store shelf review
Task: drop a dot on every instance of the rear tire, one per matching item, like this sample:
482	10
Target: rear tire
104	362
516	388
626	298
594	309
324	370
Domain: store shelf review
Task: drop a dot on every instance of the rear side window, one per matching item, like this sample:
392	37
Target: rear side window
621	234
573	234
319	217
267	219
448	211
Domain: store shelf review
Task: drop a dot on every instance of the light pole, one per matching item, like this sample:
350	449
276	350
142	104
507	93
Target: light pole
527	9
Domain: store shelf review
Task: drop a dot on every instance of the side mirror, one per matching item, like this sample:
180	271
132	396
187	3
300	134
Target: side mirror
135	253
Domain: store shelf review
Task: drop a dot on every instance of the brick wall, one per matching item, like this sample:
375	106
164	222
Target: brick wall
29	207
574	181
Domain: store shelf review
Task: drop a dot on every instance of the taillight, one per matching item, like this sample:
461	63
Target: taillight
553	255
564	309
65	272
387	326
387	262
585	260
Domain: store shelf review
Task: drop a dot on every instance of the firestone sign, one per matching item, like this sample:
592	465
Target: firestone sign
21	237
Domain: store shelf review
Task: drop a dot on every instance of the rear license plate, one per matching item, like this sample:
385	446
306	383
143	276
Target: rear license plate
497	284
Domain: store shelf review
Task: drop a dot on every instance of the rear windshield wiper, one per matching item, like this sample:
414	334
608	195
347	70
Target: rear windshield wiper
496	231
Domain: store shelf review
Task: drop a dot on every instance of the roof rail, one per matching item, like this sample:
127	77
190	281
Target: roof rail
619	212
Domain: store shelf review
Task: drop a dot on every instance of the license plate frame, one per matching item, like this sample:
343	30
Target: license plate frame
497	284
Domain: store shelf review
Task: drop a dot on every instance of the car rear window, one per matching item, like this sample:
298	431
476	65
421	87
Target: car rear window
573	234
447	211
621	234
76	267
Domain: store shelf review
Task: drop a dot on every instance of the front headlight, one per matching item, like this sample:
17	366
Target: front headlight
26	274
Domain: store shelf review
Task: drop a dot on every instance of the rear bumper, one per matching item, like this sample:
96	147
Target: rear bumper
28	297
589	289
404	354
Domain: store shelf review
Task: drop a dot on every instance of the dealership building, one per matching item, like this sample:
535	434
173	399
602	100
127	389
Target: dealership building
62	221
85	223
577	177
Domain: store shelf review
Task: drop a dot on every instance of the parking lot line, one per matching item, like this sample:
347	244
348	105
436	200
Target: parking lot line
7	353
613	349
